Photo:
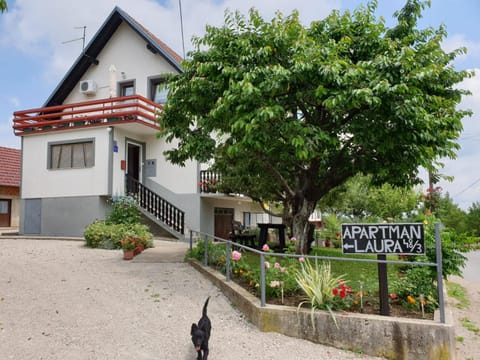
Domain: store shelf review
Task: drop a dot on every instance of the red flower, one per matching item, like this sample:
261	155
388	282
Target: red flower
335	292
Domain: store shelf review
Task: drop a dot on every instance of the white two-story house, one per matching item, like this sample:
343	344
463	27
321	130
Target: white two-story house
95	139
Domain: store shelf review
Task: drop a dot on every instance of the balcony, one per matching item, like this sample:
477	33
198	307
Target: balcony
134	109
209	181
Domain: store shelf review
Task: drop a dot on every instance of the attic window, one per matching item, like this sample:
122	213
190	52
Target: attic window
71	155
158	91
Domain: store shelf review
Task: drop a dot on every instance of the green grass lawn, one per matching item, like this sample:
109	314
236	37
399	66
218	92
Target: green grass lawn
353	272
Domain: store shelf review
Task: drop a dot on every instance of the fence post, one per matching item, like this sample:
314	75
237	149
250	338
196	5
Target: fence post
191	240
262	279
438	243
205	260
228	252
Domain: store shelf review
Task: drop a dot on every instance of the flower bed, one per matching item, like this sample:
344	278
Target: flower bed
282	277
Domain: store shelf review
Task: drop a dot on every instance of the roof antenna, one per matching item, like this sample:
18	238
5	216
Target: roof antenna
80	38
181	26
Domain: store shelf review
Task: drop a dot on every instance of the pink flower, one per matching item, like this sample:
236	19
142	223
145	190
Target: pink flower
274	283
301	259
393	296
293	239
236	255
267	265
283	269
277	265
265	247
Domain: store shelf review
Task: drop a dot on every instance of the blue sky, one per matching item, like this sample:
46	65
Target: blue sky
34	55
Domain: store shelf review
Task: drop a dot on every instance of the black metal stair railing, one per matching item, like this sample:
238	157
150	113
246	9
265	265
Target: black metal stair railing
155	205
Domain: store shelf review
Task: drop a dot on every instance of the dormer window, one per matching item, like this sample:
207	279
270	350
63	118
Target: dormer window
158	92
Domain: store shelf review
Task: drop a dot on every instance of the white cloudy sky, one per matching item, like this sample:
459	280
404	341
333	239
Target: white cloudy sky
34	55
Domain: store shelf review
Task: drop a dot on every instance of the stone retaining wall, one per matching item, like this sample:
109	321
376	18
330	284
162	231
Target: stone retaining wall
389	337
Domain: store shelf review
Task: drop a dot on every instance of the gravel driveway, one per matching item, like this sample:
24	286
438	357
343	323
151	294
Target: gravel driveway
60	300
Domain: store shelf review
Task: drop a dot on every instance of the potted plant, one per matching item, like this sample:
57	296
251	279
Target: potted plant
129	244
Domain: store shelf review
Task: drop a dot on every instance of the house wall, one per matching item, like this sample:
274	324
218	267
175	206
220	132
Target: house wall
13	194
180	180
240	205
132	60
61	216
40	182
63	202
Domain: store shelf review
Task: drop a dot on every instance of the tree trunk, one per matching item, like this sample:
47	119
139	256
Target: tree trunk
301	225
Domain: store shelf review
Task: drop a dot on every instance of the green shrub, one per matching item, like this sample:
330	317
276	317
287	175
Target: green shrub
104	235
216	252
124	211
417	281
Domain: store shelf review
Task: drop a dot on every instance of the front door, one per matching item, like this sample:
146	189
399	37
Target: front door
223	222
134	161
5	212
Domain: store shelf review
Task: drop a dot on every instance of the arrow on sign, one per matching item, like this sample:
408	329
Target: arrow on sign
348	246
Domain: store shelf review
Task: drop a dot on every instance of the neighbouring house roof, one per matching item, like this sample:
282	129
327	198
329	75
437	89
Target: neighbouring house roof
95	46
10	165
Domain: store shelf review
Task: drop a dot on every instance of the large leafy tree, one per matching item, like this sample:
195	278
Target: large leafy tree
291	112
359	200
3	5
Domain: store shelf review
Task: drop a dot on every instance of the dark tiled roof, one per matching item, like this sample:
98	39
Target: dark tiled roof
10	164
160	43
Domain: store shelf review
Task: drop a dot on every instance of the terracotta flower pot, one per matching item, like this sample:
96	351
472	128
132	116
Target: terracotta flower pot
128	254
139	249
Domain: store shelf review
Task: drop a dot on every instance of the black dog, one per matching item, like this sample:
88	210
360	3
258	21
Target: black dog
201	334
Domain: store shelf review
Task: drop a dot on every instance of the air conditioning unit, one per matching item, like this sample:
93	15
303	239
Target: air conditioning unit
88	87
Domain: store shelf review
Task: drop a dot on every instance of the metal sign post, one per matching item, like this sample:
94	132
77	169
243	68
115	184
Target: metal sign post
438	244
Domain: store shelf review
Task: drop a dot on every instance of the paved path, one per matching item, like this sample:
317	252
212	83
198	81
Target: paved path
61	300
165	251
466	320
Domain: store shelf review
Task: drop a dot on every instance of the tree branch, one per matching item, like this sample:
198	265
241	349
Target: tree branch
276	174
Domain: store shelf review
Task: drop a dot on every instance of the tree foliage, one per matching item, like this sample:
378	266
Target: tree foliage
473	219
360	200
3	5
289	112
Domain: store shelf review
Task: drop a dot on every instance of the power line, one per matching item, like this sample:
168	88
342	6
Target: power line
468	187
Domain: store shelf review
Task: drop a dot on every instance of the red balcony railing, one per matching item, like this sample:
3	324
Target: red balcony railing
134	108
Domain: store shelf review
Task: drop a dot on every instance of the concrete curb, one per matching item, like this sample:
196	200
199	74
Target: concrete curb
389	337
26	237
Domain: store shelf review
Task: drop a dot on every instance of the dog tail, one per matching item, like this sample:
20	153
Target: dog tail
204	311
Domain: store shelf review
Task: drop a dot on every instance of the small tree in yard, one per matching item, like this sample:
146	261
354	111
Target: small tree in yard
289	112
